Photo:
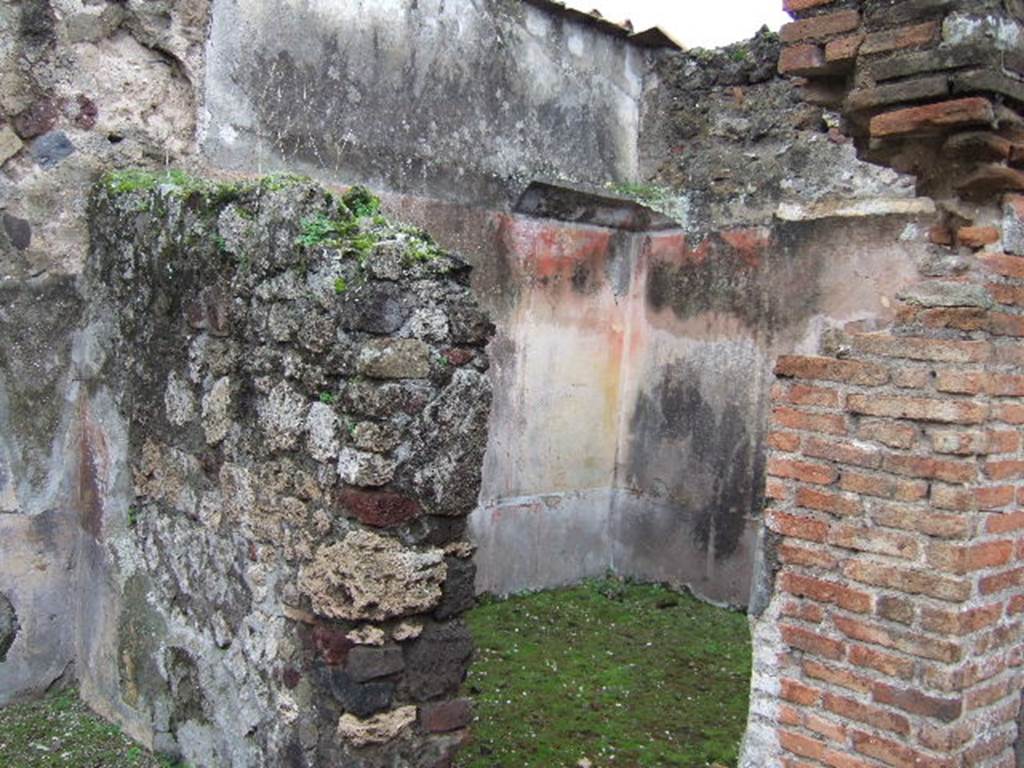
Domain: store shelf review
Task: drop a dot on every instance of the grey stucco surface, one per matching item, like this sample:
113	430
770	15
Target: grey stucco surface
458	99
38	403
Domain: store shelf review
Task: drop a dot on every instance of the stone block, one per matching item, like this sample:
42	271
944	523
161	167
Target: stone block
375	437
381	729
362	699
446	716
367	663
380	308
905	91
10	144
931	61
18	231
935	293
1013	225
459	588
37	119
51	148
395	359
366	576
436	661
322	426
365	469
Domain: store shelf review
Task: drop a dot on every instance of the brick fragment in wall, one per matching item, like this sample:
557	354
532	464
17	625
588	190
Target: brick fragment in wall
979	146
931	61
990	180
799	6
884	14
820	27
913	36
906	91
941	116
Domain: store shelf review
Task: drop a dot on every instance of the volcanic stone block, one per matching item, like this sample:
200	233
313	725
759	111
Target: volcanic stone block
367	663
435	662
362	699
372	577
395	359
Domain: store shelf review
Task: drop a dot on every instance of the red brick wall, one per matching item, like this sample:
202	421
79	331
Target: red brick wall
895	496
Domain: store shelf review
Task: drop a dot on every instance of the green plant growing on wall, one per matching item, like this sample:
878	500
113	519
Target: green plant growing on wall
361	202
275	182
327	398
340	285
739	54
321	229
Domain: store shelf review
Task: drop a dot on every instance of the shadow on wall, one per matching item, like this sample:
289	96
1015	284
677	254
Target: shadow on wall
8	627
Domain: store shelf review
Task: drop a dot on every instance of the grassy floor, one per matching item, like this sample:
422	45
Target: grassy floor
59	731
610	673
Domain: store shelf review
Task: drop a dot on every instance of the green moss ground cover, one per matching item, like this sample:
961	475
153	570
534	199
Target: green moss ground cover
59	731
612	673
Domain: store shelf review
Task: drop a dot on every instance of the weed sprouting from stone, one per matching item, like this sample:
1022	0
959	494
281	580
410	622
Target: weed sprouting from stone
361	202
340	285
321	229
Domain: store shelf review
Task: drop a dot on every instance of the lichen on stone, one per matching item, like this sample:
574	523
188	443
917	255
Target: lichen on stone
378	729
370	577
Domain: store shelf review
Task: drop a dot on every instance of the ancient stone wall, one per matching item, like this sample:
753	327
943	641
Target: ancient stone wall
276	538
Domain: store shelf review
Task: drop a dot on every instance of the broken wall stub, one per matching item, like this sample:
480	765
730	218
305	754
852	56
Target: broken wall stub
894	493
894	484
930	88
303	393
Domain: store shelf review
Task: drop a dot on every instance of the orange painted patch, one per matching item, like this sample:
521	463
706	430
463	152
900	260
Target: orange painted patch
550	250
750	243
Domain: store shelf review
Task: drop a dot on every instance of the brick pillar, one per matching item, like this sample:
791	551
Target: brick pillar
894	637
